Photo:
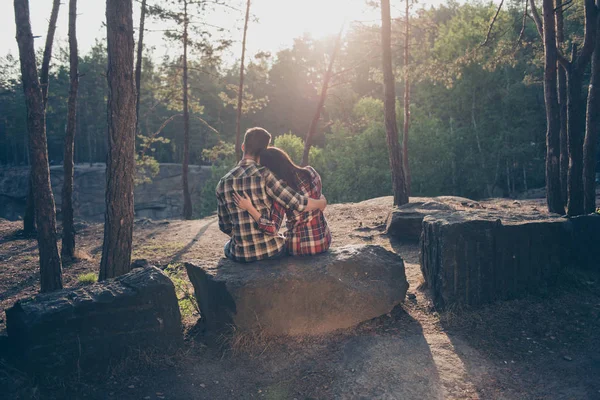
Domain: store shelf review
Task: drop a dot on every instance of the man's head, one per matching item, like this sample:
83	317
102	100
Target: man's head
255	140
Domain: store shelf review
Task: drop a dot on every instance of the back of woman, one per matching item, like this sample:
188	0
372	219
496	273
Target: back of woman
307	232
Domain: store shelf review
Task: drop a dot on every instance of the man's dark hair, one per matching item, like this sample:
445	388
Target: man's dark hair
256	140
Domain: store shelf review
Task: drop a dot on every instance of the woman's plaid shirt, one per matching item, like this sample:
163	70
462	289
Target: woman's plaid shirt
307	232
248	242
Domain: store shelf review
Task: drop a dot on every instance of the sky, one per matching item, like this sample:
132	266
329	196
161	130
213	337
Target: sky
274	26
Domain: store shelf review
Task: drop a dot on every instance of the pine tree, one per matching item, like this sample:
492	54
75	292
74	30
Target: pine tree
120	166
45	212
395	155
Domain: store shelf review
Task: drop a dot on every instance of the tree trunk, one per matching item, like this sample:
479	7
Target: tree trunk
238	132
389	90
406	99
48	51
312	129
591	131
120	165
138	64
562	102
553	189
187	201
68	239
45	212
576	110
29	218
575	129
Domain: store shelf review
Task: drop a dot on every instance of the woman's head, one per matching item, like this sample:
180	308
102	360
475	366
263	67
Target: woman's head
282	166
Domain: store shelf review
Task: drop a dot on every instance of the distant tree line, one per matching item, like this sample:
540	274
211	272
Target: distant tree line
477	102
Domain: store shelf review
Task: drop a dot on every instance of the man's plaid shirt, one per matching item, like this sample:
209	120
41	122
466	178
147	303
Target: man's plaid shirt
307	232
248	242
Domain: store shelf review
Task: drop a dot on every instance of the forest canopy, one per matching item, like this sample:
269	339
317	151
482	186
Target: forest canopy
477	104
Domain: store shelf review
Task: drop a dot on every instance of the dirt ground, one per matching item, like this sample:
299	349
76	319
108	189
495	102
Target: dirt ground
534	348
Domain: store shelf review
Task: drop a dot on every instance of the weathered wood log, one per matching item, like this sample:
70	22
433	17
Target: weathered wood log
92	325
300	295
476	258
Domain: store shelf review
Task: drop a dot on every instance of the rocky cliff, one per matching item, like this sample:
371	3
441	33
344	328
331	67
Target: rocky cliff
162	198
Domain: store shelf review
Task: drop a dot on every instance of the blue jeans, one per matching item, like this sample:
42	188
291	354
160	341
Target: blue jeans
229	255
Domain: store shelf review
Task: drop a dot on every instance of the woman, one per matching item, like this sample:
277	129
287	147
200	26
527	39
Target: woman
307	232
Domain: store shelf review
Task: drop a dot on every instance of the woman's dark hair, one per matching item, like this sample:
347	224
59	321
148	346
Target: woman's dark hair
282	166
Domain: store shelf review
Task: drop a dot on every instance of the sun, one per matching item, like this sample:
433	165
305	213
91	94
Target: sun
283	20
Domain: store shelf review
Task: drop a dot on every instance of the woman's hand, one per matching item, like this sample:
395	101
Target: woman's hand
242	201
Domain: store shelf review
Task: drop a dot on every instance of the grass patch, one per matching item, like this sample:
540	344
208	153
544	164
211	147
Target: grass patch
87	279
154	249
188	305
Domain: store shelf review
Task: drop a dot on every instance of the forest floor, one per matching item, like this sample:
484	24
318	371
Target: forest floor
534	348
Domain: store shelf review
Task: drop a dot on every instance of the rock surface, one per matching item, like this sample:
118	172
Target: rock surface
481	257
300	296
158	199
406	222
90	326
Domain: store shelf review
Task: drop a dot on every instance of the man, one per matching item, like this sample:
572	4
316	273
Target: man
248	243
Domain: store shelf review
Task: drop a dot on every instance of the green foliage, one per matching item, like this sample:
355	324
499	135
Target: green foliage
477	124
222	157
294	146
87	279
356	160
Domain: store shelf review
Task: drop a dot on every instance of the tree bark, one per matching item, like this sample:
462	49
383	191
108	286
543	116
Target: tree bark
48	50
553	189
238	132
138	64
576	111
120	165
591	131
312	129
389	91
562	103
45	212
29	217
68	239
187	201
406	99
575	129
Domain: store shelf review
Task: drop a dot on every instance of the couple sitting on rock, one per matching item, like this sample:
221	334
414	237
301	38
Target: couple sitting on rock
256	194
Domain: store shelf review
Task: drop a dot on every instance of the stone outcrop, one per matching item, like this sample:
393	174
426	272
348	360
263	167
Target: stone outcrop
480	257
162	198
406	222
300	295
91	325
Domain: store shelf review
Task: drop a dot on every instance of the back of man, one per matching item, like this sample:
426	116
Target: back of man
248	242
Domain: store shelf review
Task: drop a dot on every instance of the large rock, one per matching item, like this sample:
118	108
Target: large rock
91	325
159	199
300	295
406	222
476	258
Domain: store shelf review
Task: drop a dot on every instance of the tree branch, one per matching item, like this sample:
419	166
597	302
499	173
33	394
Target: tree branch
589	41
522	33
536	18
207	124
489	32
562	5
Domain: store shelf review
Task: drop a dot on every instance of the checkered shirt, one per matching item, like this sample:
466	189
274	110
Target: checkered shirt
248	241
307	231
